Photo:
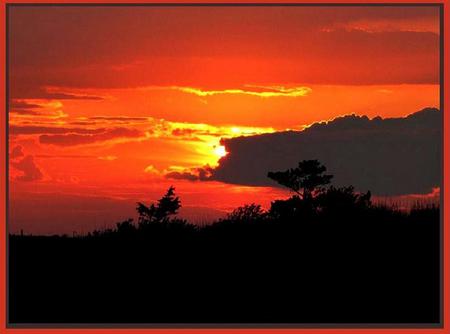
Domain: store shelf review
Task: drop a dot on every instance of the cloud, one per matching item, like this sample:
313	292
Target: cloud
260	91
188	130
182	176
109	120
152	170
108	158
66	156
191	174
36	91
26	112
393	156
30	171
72	139
31	130
17	152
21	104
69	96
184	132
119	118
374	25
37	107
22	107
66	136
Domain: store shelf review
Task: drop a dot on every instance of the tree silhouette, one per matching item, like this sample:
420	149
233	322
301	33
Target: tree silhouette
160	213
304	180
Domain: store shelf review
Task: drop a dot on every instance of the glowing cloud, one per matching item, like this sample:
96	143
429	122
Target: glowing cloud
152	170
261	91
108	158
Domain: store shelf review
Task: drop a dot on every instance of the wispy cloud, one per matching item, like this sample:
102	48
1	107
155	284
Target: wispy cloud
63	93
22	109
382	25
72	139
108	158
119	118
31	130
260	91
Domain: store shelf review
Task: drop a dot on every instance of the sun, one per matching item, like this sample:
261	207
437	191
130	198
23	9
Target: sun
220	151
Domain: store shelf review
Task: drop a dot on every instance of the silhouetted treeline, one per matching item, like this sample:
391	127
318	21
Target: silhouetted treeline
325	255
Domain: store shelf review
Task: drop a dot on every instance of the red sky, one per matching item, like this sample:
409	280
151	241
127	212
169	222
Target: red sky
104	101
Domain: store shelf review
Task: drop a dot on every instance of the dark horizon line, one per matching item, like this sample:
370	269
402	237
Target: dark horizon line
231	4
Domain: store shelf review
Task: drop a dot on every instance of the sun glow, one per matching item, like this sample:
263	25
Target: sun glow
220	151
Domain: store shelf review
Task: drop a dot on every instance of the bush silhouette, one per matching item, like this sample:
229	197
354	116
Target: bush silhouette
341	200
126	227
247	213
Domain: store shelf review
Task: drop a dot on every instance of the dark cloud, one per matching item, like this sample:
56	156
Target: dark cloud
68	96
84	123
49	48
72	139
182	176
183	132
30	171
23	105
387	156
26	112
31	130
113	119
119	118
17	152
188	132
33	90
193	174
72	156
24	108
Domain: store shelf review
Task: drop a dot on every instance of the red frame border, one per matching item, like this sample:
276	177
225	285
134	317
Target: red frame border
445	181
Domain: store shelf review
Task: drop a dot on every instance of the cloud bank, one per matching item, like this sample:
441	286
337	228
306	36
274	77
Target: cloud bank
393	156
30	171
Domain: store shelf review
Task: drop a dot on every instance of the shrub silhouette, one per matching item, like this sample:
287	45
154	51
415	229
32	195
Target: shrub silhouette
247	213
126	227
341	200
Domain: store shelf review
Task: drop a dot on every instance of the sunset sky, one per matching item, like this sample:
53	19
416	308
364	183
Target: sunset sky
107	104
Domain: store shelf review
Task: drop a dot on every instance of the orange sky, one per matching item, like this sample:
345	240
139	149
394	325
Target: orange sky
106	101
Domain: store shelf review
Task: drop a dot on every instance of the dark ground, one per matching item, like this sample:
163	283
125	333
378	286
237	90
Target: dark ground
375	265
